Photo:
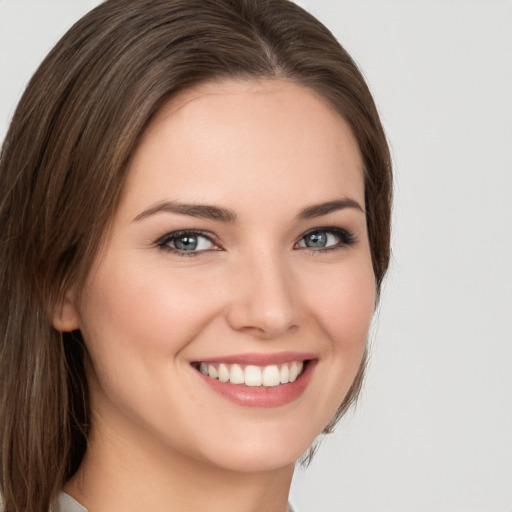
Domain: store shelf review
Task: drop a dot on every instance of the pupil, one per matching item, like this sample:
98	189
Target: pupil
186	243
316	240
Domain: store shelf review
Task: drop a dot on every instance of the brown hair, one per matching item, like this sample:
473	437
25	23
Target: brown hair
63	165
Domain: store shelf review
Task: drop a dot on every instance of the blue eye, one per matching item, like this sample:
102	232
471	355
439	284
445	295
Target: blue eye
186	242
326	238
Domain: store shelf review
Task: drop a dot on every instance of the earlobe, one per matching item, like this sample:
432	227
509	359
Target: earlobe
65	316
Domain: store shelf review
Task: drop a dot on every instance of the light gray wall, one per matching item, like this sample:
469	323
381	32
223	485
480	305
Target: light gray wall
433	430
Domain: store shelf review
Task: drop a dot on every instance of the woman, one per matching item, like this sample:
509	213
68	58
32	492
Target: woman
195	210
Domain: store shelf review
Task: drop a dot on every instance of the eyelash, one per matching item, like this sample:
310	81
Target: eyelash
346	239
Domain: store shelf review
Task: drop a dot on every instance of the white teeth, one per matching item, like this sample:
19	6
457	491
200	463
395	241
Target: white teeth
223	373
284	374
252	375
294	370
237	375
271	376
212	371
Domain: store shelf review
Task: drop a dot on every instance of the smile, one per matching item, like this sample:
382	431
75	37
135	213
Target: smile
258	380
252	375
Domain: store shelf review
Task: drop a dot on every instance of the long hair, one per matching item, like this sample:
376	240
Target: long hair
63	165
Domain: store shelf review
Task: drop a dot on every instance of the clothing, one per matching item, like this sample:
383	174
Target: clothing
66	503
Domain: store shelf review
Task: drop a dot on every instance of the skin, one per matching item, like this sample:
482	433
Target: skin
161	439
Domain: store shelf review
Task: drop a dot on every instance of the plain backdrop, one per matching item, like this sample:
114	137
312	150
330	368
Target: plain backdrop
433	428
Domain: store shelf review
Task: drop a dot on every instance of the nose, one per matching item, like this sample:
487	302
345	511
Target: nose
263	301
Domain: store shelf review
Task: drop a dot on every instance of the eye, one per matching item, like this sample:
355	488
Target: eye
326	239
187	242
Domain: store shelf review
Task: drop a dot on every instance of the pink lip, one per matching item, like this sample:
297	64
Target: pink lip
261	396
260	359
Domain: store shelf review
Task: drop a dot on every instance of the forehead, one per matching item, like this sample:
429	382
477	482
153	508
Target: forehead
219	139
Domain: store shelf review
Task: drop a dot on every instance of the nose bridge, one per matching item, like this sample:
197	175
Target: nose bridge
263	300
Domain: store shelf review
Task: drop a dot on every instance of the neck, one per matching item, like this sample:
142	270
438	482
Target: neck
122	471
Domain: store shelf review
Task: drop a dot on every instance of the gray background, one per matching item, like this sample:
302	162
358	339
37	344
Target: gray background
433	428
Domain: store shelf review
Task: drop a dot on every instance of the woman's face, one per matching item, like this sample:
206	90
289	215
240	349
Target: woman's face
239	249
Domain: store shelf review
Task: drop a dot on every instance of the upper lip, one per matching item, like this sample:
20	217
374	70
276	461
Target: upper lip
258	359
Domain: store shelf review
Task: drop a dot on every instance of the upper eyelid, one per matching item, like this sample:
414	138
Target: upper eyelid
327	229
175	234
323	228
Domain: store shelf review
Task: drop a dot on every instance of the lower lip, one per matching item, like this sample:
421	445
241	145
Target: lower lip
261	396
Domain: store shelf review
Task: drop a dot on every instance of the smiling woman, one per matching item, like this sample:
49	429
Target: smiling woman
196	231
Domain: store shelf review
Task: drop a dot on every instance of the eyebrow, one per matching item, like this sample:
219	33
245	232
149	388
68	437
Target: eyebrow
220	214
318	210
192	210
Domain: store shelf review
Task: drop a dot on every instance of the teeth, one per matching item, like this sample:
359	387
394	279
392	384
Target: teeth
237	375
212	371
223	373
294	370
271	376
253	376
284	374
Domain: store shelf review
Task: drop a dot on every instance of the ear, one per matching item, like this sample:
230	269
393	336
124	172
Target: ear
65	314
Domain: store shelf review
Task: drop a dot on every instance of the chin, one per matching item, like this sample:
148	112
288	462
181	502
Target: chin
261	460
262	448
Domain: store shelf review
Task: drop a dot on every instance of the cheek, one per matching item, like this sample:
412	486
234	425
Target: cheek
344	306
135	325
149	309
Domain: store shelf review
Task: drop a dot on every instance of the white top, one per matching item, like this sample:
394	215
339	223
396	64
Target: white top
66	503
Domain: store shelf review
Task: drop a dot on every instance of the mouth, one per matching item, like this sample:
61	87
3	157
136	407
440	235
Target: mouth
258	381
253	375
